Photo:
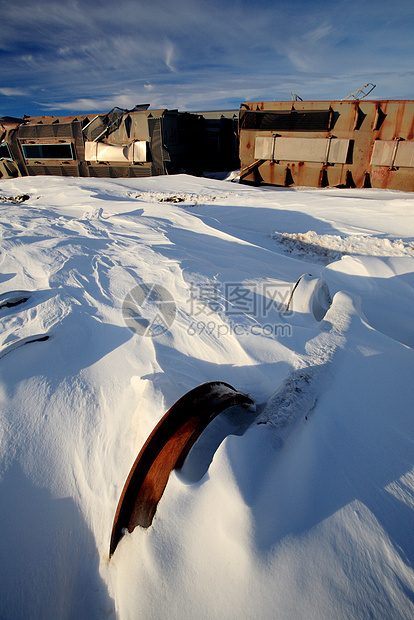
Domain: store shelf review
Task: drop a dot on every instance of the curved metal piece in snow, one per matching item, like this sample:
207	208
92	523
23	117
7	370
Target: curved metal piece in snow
312	296
294	289
166	449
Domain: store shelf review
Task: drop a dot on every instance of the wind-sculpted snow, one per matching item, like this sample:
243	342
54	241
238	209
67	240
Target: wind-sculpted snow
326	249
119	296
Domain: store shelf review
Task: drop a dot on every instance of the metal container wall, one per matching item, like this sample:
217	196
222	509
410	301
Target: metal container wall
346	143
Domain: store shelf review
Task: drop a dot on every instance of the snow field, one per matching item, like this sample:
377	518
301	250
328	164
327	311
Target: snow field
302	508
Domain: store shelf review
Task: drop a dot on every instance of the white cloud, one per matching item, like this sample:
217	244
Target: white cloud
13	92
99	104
82	105
169	54
313	48
316	35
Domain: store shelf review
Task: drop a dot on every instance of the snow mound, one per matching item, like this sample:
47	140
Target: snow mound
325	249
194	199
295	398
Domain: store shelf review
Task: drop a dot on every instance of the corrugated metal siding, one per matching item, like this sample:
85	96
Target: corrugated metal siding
103	171
53	130
141	171
286	120
56	170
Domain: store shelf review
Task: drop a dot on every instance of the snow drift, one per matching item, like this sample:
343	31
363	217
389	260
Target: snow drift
302	508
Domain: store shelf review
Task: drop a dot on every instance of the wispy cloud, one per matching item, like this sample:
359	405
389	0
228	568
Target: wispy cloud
126	101
169	55
13	92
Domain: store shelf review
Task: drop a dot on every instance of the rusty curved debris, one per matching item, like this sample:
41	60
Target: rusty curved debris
166	449
294	289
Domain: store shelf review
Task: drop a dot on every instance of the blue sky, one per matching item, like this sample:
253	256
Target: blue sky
80	56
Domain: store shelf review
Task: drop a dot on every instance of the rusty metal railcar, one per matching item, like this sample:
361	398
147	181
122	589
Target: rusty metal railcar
345	143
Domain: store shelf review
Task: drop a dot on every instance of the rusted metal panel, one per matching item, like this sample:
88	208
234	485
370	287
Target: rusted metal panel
264	148
382	152
393	153
404	157
356	143
324	150
166	449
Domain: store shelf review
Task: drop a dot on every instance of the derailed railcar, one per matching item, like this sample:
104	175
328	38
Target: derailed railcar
346	143
120	143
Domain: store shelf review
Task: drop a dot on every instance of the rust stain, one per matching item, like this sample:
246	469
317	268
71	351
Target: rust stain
410	134
166	449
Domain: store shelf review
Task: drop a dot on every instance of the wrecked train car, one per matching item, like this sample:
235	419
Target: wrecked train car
345	143
357	143
121	143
